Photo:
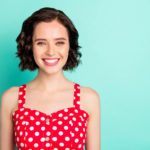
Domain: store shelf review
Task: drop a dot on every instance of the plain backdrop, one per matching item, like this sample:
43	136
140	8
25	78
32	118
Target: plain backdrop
115	41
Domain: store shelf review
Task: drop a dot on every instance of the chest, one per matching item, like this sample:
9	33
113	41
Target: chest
49	102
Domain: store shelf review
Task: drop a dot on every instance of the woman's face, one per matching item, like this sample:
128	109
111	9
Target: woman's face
50	46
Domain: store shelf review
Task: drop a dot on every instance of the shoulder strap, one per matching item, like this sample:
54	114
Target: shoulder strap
21	96
76	95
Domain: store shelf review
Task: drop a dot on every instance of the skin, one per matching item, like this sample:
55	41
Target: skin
50	40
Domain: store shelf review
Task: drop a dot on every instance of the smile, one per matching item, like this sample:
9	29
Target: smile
51	61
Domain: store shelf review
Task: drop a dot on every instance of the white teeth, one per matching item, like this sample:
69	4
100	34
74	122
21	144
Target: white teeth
51	60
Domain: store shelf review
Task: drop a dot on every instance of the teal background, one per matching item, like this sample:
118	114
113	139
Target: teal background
115	40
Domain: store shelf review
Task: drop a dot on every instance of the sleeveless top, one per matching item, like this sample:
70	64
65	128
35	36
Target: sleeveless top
64	129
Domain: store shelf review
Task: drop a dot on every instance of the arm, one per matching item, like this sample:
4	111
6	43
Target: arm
93	128
6	124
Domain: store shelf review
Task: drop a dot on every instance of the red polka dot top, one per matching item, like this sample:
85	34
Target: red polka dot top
64	129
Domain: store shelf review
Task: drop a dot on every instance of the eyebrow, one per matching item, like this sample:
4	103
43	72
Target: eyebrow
56	39
60	38
39	40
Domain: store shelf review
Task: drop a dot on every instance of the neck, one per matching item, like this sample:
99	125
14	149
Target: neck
51	81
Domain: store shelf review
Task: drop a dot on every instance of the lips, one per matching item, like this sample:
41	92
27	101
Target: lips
51	61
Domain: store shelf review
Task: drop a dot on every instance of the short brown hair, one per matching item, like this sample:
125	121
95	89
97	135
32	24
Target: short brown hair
24	39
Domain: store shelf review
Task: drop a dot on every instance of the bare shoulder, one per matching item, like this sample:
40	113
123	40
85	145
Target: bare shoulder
9	99
89	93
90	99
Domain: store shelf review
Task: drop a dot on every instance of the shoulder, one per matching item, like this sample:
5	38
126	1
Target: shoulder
88	92
9	99
90	99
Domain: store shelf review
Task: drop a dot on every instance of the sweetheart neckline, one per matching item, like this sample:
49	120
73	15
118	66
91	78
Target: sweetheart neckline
52	113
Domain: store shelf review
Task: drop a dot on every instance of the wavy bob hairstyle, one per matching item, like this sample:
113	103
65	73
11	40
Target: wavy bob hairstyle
24	39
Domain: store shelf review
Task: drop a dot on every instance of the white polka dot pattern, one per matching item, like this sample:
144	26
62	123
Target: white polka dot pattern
64	129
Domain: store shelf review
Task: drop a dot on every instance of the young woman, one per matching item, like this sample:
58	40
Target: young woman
50	112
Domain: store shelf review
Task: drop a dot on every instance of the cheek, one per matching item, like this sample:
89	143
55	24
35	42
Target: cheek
37	51
66	53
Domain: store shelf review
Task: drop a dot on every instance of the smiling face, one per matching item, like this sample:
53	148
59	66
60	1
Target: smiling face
50	46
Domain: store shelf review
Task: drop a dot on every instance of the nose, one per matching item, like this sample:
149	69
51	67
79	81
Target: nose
50	50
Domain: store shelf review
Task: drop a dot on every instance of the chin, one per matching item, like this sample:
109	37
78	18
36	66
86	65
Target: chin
52	70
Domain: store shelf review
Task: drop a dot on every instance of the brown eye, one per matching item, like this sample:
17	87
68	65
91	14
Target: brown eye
41	43
60	43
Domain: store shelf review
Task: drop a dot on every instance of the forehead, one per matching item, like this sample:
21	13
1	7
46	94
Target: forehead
51	29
